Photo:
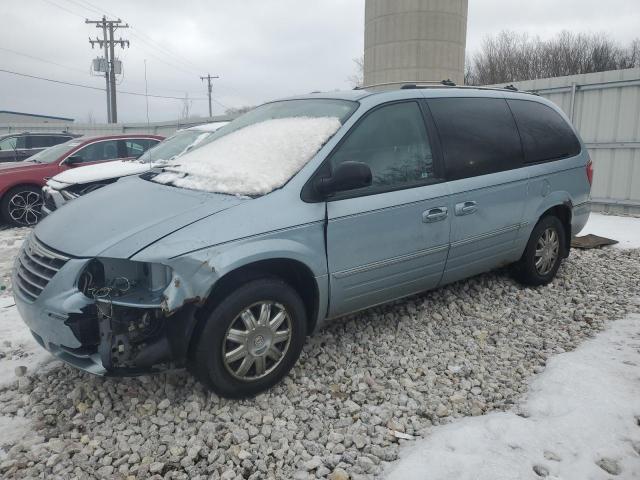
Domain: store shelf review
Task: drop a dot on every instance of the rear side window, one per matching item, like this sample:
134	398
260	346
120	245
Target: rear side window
478	136
41	141
99	151
137	146
545	134
392	140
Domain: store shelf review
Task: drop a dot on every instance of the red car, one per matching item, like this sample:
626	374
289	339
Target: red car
21	183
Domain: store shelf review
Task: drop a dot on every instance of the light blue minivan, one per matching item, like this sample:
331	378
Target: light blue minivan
297	212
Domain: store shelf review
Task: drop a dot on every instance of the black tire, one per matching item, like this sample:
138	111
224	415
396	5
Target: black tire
30	195
525	270
207	363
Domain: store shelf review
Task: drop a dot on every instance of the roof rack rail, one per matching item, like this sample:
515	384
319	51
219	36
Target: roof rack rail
446	83
403	84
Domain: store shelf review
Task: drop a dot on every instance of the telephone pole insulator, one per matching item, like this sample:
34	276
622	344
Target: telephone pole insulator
208	78
107	42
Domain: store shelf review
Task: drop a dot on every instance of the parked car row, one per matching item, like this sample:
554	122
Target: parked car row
33	188
21	182
15	147
71	184
297	212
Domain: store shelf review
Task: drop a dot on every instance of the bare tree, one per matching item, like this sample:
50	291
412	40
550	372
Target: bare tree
238	110
357	79
511	57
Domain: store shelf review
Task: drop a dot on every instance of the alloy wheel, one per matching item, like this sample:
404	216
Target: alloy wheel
547	251
257	340
25	207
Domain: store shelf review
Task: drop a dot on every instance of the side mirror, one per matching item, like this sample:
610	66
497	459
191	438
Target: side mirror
73	160
346	176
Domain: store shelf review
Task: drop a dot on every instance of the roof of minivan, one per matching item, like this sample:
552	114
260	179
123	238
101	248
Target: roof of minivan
360	93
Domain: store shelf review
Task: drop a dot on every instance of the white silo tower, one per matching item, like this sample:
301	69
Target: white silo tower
414	40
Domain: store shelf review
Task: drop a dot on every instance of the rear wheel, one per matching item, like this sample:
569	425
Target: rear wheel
22	206
251	339
544	253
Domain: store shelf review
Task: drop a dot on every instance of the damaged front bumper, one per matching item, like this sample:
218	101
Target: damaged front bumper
103	329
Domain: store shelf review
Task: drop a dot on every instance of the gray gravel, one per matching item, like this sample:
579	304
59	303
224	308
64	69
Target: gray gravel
361	385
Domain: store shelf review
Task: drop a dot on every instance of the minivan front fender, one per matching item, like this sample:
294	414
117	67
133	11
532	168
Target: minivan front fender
195	274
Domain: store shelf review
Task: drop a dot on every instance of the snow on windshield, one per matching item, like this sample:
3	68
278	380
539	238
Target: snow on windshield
254	160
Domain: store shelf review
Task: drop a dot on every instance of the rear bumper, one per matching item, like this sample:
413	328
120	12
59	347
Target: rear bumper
579	217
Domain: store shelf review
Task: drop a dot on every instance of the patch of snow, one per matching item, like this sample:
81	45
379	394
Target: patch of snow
12	429
622	228
254	160
583	415
99	171
17	345
10	242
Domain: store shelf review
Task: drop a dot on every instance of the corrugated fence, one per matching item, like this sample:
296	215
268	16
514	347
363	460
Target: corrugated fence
605	108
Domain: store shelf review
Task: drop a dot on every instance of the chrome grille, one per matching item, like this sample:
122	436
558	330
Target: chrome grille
35	267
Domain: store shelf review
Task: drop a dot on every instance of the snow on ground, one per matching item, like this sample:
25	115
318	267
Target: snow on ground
624	229
10	242
13	429
253	160
582	420
17	345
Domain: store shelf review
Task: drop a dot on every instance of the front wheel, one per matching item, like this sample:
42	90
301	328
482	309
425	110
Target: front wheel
544	253
22	206
251	339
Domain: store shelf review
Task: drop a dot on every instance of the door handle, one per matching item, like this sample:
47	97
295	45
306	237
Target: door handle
434	214
466	208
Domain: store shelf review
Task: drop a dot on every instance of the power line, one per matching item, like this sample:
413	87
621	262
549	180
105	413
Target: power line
64	8
109	26
90	87
208	78
143	37
15	52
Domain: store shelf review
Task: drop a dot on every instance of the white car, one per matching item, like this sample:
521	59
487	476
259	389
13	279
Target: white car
75	182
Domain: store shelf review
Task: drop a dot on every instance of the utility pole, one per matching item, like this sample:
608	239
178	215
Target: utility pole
208	78
108	42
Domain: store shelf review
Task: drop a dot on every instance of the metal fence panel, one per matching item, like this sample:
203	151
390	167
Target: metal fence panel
605	108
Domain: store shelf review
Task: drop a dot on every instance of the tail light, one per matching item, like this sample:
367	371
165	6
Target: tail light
590	172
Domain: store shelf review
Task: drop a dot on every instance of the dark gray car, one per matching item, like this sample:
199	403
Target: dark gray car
15	147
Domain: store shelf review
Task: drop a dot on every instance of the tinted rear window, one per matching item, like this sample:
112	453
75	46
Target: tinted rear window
478	136
545	134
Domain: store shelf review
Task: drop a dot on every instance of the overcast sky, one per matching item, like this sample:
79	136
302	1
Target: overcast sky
261	49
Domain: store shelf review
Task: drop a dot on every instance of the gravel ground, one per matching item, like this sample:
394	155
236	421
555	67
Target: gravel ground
362	382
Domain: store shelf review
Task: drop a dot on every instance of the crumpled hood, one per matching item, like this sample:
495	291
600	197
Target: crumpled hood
125	217
101	171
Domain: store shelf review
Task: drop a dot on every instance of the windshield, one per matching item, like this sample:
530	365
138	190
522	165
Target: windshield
51	154
261	150
174	146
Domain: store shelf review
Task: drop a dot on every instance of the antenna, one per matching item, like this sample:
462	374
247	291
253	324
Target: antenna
146	99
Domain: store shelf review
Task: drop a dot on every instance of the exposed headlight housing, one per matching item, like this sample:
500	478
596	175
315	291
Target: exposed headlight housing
126	280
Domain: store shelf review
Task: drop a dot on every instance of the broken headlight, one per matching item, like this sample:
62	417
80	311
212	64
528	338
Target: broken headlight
114	277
